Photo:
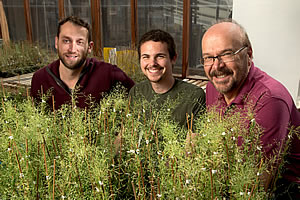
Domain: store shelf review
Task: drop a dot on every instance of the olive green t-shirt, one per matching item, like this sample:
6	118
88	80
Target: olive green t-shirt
185	98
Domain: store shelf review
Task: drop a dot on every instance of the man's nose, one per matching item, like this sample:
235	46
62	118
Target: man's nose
152	61
218	63
72	46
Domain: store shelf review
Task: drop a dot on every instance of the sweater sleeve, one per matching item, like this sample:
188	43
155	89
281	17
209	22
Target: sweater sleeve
120	76
35	89
199	104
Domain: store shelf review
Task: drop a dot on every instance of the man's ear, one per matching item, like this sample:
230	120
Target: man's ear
90	47
250	56
56	42
250	52
174	59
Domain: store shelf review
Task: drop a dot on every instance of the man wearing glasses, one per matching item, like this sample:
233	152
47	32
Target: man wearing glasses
236	84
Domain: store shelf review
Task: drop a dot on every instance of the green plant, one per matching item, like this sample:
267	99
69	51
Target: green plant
75	154
17	94
23	57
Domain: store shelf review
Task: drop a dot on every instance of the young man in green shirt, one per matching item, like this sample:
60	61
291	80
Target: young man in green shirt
157	55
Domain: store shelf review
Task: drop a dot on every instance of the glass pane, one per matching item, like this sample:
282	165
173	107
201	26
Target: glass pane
44	17
14	11
203	14
80	8
165	15
116	20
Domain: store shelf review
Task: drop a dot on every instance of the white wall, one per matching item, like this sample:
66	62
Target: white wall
274	30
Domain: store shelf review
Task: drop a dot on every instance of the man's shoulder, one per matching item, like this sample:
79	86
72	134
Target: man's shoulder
266	86
101	65
141	87
141	91
188	88
106	70
42	72
42	78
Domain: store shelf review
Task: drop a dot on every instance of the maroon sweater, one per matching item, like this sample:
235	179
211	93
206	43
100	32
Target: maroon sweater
97	78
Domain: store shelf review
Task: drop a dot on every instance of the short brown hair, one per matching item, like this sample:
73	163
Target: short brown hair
77	21
158	35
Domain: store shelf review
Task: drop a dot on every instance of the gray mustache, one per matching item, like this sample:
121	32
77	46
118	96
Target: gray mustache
224	71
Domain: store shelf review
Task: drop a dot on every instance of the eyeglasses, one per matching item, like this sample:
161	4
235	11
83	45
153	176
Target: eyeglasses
226	57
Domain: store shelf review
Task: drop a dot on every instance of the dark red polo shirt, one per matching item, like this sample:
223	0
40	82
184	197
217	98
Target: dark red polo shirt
274	111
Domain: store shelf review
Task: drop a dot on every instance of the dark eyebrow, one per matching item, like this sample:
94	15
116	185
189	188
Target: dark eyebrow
161	54
65	37
144	54
69	38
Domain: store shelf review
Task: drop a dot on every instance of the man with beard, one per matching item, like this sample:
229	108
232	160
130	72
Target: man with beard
236	85
157	54
73	74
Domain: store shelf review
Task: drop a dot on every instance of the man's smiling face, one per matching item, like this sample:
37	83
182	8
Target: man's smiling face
72	45
226	77
155	61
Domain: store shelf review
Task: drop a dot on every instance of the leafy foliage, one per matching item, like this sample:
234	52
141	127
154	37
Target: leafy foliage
23	57
117	151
